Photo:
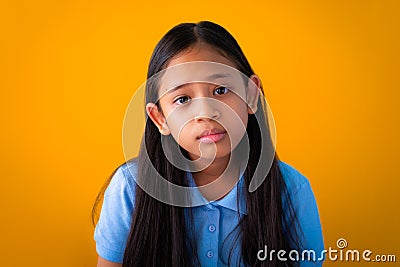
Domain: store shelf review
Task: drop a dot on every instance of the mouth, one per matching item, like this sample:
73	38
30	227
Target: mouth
211	136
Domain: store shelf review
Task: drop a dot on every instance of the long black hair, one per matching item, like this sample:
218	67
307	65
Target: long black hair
159	232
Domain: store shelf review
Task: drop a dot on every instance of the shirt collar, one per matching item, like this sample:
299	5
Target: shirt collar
229	201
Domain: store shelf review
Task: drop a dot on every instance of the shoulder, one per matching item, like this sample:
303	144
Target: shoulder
305	207
113	226
293	178
123	179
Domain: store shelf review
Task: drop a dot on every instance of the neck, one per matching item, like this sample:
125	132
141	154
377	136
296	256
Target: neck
212	172
224	180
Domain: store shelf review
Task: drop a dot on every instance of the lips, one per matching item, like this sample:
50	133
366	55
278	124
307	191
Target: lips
211	135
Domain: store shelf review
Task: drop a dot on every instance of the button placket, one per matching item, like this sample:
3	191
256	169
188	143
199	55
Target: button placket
213	215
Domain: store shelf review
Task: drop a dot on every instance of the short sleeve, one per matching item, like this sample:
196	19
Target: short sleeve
113	227
305	206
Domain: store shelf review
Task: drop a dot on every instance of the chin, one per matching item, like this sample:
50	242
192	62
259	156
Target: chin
219	155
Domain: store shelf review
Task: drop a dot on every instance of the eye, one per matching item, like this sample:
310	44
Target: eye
182	100
221	90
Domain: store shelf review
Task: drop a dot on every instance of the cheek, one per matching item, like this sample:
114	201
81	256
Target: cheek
235	123
176	118
178	124
239	107
183	136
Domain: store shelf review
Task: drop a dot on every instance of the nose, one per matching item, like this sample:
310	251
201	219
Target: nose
206	109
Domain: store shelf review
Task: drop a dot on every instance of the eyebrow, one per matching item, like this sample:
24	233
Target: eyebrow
213	76
218	75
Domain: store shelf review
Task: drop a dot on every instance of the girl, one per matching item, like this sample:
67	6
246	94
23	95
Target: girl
251	209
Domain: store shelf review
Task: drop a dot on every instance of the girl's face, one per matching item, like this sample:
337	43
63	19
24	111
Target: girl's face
207	119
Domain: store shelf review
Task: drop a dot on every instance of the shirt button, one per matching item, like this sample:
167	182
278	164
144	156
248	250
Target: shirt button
211	228
210	254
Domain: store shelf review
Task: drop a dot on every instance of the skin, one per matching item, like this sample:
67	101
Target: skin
207	118
105	263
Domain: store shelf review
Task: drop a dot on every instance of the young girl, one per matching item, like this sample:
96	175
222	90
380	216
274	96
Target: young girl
222	198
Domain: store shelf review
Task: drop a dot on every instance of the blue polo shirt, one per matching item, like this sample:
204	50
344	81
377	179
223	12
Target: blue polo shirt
212	222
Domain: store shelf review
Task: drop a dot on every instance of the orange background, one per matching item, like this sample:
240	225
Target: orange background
69	69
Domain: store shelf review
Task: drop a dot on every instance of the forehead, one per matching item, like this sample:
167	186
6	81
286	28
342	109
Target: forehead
201	52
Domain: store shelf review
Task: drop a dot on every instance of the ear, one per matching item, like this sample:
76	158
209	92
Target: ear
158	118
253	94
